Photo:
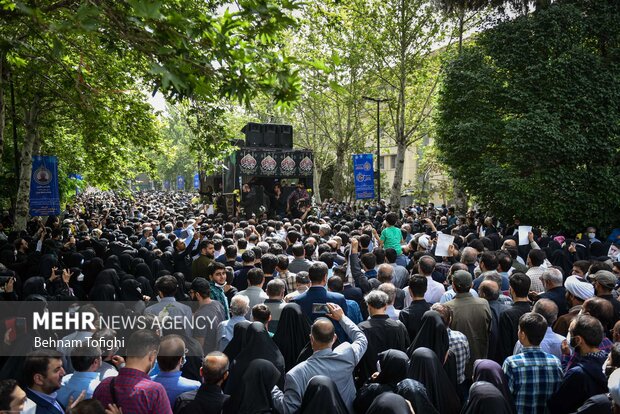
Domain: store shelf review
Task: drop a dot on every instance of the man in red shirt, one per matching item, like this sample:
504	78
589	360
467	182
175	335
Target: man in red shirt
132	390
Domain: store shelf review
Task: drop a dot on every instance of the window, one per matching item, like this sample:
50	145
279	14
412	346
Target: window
382	162
392	161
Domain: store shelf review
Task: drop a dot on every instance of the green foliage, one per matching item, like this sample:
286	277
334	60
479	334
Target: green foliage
529	120
80	67
330	116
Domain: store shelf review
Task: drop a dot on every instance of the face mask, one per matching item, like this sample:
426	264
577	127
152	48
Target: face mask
220	286
591	235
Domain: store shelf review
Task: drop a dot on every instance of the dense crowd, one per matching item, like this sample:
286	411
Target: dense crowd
339	308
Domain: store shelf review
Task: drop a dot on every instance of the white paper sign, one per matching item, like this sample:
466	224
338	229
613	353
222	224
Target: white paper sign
614	252
443	242
523	235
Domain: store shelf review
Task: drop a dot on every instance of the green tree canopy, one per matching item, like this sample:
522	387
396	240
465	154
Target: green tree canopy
529	120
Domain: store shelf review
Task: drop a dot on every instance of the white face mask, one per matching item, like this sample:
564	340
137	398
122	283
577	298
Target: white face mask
591	235
220	286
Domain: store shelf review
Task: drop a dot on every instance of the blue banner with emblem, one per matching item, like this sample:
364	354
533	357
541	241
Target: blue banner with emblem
180	183
364	174
196	181
44	194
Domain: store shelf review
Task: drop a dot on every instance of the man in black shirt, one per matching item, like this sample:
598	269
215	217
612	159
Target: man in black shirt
553	282
411	316
209	398
382	333
509	319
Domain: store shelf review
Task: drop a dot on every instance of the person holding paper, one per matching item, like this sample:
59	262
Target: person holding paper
444	241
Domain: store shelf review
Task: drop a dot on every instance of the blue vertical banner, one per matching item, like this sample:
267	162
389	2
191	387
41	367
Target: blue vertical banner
44	194
196	181
180	183
364	174
167	185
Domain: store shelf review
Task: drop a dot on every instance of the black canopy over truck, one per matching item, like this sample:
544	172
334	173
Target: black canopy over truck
262	161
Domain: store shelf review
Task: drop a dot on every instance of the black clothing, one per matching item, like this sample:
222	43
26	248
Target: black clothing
354	293
393	366
208	399
490	371
91	270
237	342
389	403
240	281
433	335
183	260
485	398
257	345
558	295
108	277
424	366
583	380
508	327
143	270
616	304
253	391
382	334
496	310
399	300
598	404
415	392
322	396
411	316
292	334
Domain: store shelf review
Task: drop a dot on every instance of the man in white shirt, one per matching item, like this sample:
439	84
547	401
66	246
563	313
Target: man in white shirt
435	290
255	292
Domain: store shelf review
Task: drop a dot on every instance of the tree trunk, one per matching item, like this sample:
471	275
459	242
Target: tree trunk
23	191
3	84
461	27
401	149
316	183
460	198
337	179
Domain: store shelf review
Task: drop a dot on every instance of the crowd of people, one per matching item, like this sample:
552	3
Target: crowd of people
343	310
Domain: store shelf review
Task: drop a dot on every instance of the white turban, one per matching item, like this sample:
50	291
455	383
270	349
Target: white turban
614	386
579	288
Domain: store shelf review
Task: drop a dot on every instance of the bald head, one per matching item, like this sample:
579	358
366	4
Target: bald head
322	334
385	273
509	243
171	352
444	311
489	290
469	256
548	309
214	368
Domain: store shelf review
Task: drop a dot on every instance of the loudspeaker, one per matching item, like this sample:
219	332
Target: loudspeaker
270	132
285	136
253	134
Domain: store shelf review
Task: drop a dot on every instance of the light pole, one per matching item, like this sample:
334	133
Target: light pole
378	101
